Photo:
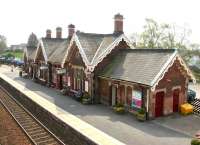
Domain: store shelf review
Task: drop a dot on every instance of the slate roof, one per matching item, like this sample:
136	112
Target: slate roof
31	53
137	65
51	44
94	43
58	55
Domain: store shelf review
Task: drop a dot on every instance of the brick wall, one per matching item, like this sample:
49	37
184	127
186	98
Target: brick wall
173	78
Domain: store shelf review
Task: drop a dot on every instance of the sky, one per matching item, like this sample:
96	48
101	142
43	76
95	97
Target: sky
21	17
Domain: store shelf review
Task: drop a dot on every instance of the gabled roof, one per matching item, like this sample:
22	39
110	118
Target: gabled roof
94	47
31	47
144	66
58	55
49	46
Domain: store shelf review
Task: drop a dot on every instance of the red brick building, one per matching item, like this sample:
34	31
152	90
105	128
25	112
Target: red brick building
113	71
49	56
29	54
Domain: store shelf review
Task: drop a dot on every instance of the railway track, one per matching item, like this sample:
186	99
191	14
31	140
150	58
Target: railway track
196	104
33	128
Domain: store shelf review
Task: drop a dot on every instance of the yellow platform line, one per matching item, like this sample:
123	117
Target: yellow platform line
82	127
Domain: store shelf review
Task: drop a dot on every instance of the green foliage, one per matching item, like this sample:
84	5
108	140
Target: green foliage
119	108
195	142
86	98
119	105
164	35
141	111
17	54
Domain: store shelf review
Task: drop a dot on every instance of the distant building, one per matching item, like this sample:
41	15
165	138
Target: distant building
21	46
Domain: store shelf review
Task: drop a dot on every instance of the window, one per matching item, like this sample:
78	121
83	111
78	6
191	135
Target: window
136	99
78	84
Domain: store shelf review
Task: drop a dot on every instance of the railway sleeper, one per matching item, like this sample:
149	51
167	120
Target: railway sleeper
46	142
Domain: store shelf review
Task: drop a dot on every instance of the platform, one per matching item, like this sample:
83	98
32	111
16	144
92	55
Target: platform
84	128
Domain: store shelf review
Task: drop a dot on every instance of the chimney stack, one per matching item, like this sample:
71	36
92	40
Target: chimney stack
59	32
48	33
118	24
71	30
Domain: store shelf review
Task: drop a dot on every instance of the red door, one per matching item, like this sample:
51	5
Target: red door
159	104
175	100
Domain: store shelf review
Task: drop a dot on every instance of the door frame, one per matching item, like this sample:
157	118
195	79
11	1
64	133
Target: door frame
156	92
114	95
173	89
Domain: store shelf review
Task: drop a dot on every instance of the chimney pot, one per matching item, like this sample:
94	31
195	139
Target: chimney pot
71	30
48	33
58	32
118	24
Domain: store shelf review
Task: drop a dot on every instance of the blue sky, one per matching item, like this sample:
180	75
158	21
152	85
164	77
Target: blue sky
20	18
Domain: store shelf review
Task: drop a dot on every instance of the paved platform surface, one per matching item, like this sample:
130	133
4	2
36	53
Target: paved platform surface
125	128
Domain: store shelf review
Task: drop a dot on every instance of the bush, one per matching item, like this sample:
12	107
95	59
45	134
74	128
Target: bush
86	98
141	111
195	142
119	105
119	108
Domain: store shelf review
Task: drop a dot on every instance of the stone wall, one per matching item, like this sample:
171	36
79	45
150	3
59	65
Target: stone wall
62	130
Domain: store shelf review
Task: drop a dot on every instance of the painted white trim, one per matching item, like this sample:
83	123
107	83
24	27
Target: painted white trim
176	87
187	69
81	51
25	53
91	65
41	45
160	90
67	52
164	68
96	61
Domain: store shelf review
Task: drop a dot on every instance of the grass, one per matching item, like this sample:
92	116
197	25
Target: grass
18	54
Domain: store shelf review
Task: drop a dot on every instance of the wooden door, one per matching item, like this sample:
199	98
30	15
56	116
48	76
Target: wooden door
175	100
159	104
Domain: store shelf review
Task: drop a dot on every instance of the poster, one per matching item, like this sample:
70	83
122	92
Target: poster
136	99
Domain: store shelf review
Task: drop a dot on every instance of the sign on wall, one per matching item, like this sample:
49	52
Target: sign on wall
61	71
136	99
86	86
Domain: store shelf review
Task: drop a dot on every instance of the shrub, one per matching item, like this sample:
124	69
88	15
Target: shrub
86	98
119	108
141	111
195	142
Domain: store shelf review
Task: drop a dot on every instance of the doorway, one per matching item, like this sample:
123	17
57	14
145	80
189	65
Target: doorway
176	100
159	104
114	95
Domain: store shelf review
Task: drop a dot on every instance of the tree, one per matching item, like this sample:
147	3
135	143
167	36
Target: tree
3	44
164	35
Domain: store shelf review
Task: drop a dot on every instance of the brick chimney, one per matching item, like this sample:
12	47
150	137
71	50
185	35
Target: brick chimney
48	33
71	30
118	24
59	32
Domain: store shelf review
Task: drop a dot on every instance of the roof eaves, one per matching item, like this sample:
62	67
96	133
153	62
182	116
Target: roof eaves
165	67
43	50
109	49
